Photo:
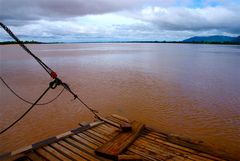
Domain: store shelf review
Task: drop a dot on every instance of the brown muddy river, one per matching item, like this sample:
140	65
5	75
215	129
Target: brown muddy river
189	90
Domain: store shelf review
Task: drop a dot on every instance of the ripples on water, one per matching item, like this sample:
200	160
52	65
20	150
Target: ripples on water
189	90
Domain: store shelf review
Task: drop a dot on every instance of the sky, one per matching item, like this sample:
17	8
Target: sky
123	20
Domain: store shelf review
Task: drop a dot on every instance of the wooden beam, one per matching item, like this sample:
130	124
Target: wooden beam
110	122
123	126
120	118
119	143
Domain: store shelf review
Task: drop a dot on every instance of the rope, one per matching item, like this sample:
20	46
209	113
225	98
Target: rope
45	103
47	69
26	111
52	85
66	86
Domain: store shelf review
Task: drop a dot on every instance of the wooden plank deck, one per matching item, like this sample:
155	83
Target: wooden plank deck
82	143
119	143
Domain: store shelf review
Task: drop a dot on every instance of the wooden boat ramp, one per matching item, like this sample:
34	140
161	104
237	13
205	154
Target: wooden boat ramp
112	138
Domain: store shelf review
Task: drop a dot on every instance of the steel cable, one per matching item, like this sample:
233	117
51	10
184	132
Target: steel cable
45	103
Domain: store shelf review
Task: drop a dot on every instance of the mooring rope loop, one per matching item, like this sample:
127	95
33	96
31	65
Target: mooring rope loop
31	103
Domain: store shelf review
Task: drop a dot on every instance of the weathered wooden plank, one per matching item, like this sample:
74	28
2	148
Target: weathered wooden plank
18	151
110	122
165	151
34	156
84	148
113	119
188	153
189	144
66	134
86	137
156	140
21	157
108	132
166	143
153	148
109	129
80	146
179	158
121	118
86	126
120	142
132	153
153	154
103	132
129	158
142	154
77	151
89	144
150	154
67	152
160	145
110	126
56	153
156	135
98	134
94	137
124	126
46	155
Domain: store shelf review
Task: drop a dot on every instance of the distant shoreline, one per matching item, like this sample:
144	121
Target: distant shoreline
26	42
175	42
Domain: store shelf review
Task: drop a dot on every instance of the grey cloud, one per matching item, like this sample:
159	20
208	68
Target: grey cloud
195	19
61	19
14	11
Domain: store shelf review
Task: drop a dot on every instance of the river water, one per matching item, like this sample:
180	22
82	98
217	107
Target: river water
189	90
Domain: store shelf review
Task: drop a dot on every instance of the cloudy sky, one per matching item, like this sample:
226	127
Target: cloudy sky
113	20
